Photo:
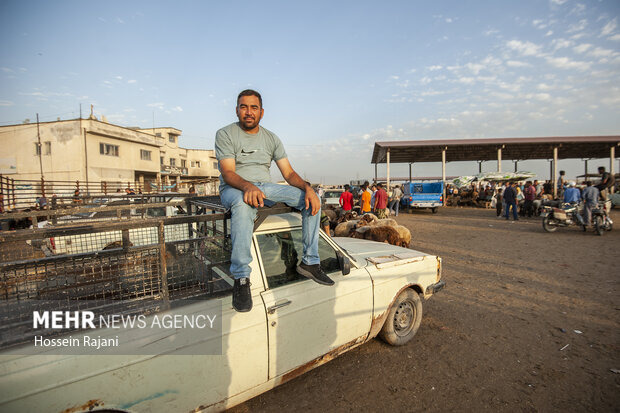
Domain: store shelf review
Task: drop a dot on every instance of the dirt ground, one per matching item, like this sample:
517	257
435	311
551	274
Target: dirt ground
529	321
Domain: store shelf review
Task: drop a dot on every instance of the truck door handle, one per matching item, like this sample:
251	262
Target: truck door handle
273	308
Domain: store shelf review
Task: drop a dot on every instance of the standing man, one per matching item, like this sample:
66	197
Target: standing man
395	200
346	199
590	199
245	151
380	205
510	198
365	199
529	194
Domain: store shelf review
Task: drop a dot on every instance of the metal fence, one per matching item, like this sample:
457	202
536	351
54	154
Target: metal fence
122	266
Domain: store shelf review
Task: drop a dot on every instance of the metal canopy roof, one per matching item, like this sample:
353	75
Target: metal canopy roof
486	149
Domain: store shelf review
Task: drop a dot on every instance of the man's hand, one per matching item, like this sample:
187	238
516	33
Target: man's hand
254	196
312	200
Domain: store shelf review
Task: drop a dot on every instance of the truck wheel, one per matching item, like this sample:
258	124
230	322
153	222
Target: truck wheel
403	320
549	224
434	210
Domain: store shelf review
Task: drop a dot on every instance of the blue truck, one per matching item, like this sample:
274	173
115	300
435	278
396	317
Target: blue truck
423	195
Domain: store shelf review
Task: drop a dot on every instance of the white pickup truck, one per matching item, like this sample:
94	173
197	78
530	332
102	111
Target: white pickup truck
294	326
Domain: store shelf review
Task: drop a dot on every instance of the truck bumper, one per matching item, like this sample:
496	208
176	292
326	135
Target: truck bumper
433	288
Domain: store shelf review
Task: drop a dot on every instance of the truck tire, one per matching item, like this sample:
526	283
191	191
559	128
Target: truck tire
434	210
403	320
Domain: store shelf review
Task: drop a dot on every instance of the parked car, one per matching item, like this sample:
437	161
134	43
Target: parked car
294	326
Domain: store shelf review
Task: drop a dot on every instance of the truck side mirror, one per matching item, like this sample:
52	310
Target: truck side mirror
344	263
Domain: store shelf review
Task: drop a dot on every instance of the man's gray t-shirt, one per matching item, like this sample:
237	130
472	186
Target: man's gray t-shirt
252	153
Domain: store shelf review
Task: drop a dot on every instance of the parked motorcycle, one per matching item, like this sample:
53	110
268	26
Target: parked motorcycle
565	215
600	218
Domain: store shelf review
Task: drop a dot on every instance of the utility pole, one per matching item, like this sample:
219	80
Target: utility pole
40	148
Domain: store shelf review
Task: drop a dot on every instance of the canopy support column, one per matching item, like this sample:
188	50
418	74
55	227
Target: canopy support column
388	171
375	173
410	171
555	172
443	171
612	162
499	159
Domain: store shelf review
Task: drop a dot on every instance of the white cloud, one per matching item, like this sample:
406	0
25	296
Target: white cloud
177	109
516	63
609	28
549	33
561	43
600	52
467	80
131	81
426	80
615	38
544	86
577	27
448	20
558	2
158	105
118	77
566	63
582	48
433	68
490	32
394	77
475	68
525	48
6	103
119	20
578	9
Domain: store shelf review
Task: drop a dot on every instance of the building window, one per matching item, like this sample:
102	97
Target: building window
197	164
171	138
47	148
161	160
173	162
183	163
214	165
107	149
158	134
145	155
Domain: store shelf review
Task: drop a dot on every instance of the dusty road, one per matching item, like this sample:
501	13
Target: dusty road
529	321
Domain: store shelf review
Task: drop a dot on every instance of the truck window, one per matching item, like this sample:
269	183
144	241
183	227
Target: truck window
281	252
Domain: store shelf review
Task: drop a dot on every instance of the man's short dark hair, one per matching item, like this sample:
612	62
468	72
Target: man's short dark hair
562	173
601	168
346	187
250	92
380	185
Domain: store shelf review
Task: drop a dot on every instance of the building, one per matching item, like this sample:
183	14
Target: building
89	150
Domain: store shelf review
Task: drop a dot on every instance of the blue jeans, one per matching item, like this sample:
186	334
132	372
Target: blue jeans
242	223
514	209
394	206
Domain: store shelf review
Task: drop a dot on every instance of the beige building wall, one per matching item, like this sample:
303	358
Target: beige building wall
92	150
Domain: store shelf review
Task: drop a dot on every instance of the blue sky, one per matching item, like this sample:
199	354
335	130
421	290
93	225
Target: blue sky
335	76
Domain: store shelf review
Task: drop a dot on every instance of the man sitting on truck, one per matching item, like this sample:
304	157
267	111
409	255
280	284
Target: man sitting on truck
245	151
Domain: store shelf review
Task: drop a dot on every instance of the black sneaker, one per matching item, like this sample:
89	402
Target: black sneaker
314	272
242	298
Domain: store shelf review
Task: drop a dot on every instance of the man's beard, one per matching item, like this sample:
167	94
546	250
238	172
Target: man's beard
248	124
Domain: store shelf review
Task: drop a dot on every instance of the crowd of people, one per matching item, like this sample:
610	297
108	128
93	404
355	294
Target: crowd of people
371	199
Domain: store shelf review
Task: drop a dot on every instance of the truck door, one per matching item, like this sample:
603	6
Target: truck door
304	319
